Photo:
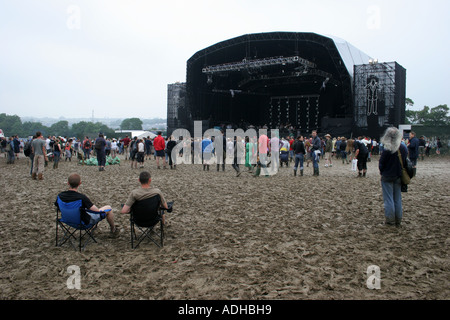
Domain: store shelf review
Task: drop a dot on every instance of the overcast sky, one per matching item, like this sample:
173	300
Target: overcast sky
116	57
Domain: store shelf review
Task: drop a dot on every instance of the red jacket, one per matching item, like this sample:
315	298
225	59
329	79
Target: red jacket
159	143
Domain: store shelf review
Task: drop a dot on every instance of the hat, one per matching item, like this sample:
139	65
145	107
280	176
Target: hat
327	135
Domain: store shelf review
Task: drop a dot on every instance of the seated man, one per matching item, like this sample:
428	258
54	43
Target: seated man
74	181
144	192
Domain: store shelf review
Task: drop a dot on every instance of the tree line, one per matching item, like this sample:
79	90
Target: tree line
437	116
13	125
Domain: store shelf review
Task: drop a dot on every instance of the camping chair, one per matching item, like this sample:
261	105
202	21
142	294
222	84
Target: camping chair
145	216
72	220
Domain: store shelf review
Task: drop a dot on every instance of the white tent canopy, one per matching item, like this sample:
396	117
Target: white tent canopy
137	133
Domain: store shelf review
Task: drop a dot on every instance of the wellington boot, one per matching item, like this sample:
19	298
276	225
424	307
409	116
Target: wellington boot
295	173
301	172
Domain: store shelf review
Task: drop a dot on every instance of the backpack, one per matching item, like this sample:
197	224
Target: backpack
27	149
87	145
98	144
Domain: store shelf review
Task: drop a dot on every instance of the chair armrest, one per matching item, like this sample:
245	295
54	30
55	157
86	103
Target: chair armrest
169	205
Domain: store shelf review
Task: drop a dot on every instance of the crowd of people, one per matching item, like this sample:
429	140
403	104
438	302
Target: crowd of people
258	154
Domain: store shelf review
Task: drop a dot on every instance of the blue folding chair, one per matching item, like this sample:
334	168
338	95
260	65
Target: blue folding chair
75	218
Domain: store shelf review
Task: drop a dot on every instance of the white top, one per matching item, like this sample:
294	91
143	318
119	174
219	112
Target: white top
140	147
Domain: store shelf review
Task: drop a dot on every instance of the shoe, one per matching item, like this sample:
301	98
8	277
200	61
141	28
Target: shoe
301	172
115	233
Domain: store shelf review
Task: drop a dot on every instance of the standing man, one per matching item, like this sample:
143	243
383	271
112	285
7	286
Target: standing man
207	150
328	151
40	156
87	147
148	148
422	144
291	149
316	146
413	150
362	154
159	144
299	150
100	146
126	142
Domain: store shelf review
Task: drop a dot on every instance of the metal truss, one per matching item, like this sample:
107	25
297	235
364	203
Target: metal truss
246	64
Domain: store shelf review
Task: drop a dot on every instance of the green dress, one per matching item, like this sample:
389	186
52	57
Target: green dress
249	151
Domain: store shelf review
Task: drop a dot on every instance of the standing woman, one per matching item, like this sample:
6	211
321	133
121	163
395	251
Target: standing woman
56	153
114	148
68	150
391	172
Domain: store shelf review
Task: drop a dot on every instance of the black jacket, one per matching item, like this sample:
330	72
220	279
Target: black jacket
299	147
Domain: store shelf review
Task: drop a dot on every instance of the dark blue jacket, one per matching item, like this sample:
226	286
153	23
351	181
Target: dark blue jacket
389	164
413	148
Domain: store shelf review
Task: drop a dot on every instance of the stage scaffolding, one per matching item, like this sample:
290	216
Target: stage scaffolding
300	111
379	96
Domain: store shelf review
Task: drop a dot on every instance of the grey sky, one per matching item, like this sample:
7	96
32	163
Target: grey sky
116	57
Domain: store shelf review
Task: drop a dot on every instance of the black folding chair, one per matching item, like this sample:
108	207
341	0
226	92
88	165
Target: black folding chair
145	216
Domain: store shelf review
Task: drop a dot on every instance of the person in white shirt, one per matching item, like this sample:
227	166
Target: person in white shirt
140	153
114	148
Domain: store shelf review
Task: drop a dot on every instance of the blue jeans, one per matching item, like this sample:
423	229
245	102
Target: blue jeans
56	156
315	159
392	197
299	158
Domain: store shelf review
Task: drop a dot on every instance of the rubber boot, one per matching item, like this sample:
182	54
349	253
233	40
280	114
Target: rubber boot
414	172
295	173
301	172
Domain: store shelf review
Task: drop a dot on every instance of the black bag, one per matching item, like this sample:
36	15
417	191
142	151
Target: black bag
98	144
404	188
27	149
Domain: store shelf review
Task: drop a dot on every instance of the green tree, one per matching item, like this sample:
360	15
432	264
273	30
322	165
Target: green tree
60	128
30	128
11	125
436	116
90	129
131	124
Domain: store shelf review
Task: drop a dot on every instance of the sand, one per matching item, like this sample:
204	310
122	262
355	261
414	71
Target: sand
279	237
